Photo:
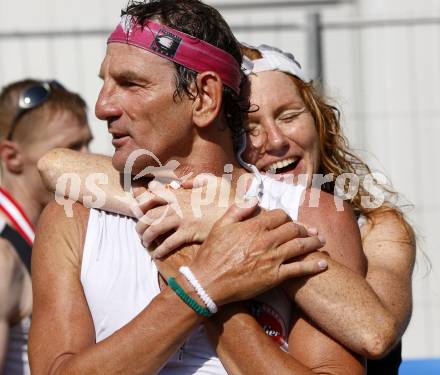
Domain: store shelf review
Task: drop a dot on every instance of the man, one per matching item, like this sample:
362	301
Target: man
35	117
109	312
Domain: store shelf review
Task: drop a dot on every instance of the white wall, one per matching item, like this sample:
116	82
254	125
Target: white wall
388	79
385	79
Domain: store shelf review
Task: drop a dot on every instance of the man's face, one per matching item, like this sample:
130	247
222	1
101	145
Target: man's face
137	102
61	129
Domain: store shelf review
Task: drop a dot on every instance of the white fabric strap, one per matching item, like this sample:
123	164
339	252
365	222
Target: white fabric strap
273	59
273	194
207	300
19	219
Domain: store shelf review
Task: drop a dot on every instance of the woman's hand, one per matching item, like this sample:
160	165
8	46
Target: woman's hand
169	215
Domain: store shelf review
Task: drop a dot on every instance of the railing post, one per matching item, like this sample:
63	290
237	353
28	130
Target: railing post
315	61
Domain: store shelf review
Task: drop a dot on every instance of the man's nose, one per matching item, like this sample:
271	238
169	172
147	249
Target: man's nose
107	106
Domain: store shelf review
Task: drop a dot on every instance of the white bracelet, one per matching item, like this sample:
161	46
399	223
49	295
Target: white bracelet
207	300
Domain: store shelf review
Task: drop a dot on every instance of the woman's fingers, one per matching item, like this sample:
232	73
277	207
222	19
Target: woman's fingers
156	230
298	247
302	268
152	217
145	202
171	243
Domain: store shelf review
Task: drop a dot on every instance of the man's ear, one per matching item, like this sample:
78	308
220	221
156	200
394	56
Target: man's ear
209	98
11	157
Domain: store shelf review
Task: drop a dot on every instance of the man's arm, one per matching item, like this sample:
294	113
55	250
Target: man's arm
9	294
62	337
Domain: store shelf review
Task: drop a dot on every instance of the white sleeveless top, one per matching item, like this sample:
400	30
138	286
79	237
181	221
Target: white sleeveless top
120	279
17	362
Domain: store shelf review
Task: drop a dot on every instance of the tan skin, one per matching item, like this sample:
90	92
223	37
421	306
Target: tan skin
21	179
265	242
15	294
369	318
284	130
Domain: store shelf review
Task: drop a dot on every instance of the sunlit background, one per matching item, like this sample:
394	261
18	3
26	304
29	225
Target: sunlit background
378	60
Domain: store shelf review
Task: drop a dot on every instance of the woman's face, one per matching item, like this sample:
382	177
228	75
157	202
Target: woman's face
282	135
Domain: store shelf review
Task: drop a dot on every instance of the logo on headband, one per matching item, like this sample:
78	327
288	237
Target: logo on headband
166	43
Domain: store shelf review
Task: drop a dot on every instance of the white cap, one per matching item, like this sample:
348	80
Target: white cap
273	59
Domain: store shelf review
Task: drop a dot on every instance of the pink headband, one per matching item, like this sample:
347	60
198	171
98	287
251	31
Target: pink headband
183	49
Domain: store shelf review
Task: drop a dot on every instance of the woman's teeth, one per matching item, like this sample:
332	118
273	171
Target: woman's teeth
282	164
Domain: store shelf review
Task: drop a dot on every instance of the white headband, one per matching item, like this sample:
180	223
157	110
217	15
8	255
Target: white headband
273	59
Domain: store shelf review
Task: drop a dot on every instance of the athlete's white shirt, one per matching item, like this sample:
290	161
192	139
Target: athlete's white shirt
120	279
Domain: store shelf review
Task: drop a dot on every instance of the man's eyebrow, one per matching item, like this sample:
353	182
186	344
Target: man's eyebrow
128	75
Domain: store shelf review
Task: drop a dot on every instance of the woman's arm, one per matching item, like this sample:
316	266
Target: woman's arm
390	248
340	301
311	351
244	348
60	168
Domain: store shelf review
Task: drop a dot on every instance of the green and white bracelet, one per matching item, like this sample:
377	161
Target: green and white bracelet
174	285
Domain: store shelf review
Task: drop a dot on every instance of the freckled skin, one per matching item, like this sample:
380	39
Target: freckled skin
282	127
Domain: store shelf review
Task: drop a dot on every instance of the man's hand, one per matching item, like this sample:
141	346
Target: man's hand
244	256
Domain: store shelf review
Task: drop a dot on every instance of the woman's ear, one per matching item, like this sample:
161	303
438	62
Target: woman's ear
209	98
11	157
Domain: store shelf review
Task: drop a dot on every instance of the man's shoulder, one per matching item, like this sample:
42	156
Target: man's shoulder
59	228
55	215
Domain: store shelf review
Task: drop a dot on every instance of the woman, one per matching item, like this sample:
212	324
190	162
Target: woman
295	132
281	139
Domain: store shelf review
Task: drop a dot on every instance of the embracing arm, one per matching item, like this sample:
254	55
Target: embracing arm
340	301
389	246
310	350
58	162
244	348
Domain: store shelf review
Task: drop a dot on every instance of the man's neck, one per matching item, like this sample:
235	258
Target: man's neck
214	156
23	196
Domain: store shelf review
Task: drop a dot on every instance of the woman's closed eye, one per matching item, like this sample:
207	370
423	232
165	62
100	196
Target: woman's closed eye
253	128
289	116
